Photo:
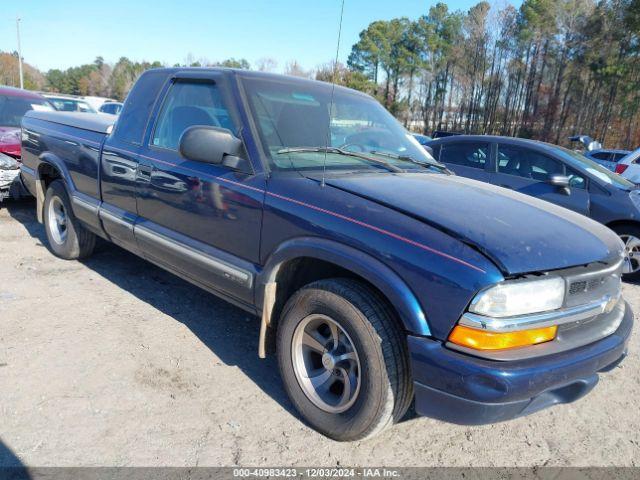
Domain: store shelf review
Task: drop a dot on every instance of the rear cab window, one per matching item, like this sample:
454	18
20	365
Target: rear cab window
132	123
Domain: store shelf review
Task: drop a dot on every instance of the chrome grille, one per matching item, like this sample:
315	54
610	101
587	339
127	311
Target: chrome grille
584	288
577	287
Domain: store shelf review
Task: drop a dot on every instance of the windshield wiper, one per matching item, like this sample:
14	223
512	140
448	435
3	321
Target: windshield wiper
407	158
339	151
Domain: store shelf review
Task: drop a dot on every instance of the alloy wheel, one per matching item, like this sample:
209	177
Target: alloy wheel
326	363
57	221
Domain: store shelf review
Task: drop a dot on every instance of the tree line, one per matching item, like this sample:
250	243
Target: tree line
97	79
546	70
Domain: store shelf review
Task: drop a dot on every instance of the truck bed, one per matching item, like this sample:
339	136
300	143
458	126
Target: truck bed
70	141
83	121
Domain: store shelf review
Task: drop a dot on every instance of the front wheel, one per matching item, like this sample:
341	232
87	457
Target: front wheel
68	238
630	236
343	359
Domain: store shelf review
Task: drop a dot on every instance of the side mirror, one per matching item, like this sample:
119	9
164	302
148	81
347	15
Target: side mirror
210	145
428	149
560	181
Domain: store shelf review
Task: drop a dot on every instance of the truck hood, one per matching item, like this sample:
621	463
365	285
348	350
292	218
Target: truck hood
519	233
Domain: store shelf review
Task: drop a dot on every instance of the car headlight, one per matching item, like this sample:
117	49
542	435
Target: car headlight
510	299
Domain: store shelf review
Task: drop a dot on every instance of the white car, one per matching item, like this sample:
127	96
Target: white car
68	103
96	102
629	167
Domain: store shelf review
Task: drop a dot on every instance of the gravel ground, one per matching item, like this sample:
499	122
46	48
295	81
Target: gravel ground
113	361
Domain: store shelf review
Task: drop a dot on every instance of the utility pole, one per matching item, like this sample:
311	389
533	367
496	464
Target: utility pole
19	53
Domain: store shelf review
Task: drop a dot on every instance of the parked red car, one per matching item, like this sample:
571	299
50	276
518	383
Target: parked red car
14	103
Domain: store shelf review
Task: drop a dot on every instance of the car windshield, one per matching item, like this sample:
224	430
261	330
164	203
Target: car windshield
298	131
595	169
71	105
12	109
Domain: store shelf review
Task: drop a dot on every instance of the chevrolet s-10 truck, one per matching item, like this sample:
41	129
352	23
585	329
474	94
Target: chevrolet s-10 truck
380	278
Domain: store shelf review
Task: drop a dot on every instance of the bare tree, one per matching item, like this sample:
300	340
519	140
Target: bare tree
294	69
266	64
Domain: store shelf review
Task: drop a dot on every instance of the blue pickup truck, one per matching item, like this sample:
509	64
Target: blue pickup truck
380	278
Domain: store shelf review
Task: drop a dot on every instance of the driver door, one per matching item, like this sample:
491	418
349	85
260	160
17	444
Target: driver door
527	171
200	219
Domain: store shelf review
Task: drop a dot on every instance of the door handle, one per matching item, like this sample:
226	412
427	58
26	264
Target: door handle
144	172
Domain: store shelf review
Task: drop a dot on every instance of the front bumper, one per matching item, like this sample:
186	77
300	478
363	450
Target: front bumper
464	389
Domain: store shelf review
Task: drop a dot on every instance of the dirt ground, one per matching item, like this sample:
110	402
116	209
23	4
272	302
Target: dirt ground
113	361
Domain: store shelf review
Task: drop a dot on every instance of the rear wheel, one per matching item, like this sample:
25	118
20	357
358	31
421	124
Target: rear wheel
68	238
343	359
630	236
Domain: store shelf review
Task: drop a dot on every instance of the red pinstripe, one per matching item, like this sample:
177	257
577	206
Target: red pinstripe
321	210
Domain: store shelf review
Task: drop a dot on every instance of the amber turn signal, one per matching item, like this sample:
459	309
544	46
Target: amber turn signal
483	340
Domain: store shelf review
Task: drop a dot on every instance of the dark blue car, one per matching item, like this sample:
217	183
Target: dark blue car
554	174
379	277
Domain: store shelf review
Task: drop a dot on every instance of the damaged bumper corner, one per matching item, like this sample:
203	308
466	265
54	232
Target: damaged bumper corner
10	183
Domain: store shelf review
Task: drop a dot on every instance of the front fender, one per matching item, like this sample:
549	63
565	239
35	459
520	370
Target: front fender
382	277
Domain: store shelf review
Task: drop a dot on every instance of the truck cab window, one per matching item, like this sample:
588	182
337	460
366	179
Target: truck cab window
188	104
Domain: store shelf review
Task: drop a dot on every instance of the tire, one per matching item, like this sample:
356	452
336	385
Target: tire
630	235
68	238
383	387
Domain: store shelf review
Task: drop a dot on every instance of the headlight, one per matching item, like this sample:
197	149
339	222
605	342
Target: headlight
510	299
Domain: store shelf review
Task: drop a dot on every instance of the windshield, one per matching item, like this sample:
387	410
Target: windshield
596	169
12	109
295	127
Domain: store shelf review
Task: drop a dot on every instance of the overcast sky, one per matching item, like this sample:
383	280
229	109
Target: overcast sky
60	34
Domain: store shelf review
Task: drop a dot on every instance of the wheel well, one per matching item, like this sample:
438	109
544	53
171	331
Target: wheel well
47	174
298	272
621	223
